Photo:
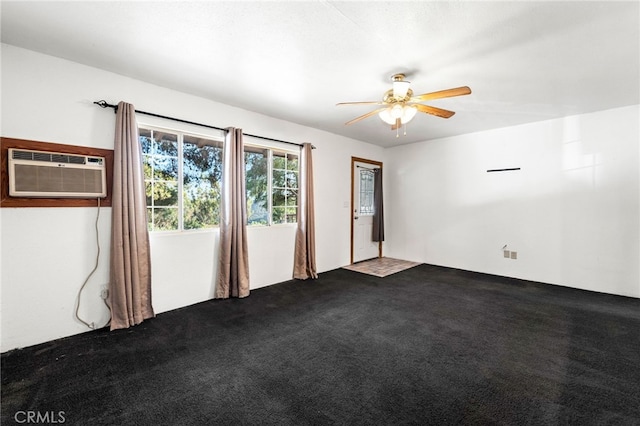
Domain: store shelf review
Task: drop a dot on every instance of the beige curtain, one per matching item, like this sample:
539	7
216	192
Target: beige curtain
233	264
130	275
304	263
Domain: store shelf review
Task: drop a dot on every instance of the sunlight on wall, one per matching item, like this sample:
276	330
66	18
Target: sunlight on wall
579	161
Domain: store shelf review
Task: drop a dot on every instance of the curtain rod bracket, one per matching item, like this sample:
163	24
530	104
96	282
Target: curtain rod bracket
104	104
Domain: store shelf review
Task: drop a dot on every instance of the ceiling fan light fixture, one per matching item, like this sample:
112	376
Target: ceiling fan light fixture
385	115
396	111
408	112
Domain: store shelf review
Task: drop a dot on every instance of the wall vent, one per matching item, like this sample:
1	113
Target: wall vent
56	175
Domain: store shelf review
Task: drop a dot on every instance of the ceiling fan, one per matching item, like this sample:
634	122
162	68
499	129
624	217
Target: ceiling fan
400	106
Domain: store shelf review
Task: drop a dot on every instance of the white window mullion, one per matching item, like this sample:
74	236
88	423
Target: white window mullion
285	173
180	183
270	186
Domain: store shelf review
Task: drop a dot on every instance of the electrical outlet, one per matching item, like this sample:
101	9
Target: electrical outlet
507	254
514	254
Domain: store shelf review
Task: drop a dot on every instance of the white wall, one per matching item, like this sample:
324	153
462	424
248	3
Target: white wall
48	252
572	212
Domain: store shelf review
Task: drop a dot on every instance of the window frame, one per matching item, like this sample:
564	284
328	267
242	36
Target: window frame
368	192
181	133
284	149
219	137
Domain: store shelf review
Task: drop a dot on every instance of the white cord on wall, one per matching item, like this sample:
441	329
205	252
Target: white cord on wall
91	325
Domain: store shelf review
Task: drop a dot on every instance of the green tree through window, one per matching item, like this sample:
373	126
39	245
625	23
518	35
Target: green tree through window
182	180
271	185
256	162
183	175
284	188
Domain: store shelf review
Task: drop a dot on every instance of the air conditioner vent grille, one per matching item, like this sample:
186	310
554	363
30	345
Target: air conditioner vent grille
48	157
55	175
48	180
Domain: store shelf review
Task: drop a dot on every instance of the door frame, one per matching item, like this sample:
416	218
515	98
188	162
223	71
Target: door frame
355	160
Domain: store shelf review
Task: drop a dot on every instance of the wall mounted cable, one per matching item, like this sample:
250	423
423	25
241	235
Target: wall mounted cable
90	325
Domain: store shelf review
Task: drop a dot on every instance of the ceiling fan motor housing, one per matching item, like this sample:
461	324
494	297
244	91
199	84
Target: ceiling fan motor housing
389	98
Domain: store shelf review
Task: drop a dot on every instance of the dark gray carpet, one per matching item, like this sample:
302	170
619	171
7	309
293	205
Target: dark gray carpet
428	345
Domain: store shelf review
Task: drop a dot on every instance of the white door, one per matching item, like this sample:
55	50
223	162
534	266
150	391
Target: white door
363	247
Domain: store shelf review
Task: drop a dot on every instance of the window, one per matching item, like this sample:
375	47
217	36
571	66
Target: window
256	162
366	192
271	185
182	175
284	187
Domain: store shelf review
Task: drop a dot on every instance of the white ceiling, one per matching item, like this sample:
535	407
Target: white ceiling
524	61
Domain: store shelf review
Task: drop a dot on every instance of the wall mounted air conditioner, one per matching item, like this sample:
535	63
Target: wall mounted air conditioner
56	175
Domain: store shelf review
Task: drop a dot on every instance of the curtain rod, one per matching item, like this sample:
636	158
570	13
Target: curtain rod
104	104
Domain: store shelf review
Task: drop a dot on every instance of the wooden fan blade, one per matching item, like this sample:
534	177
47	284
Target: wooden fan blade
363	116
433	110
458	91
397	125
361	103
